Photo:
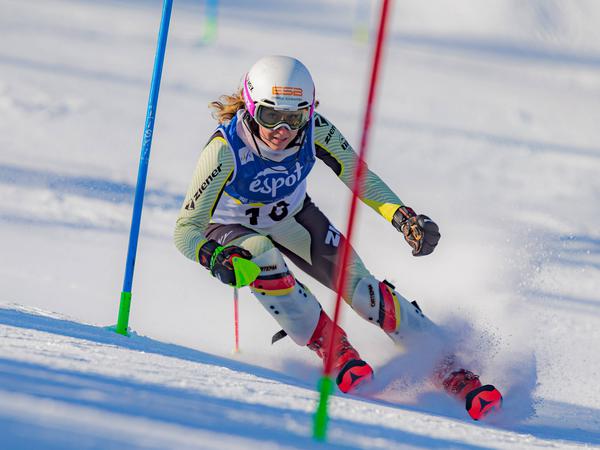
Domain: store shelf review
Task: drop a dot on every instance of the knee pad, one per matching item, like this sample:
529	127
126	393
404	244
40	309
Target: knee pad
293	306
378	302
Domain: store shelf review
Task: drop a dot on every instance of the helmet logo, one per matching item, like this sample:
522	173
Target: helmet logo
287	90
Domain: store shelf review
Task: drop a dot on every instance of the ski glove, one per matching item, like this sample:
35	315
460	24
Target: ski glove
229	264
421	233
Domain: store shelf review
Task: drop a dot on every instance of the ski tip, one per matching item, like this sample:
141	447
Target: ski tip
482	401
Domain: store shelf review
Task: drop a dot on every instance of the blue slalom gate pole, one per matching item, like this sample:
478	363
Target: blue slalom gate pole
125	303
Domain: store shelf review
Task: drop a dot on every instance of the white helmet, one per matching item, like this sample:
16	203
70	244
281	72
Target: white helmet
281	83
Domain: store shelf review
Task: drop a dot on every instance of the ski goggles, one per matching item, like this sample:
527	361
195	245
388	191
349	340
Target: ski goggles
271	118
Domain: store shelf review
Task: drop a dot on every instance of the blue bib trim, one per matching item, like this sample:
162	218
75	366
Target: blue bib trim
260	180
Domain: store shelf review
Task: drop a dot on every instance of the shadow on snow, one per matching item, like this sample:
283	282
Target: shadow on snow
86	186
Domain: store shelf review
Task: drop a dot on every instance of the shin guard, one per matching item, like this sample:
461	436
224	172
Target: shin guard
293	306
378	302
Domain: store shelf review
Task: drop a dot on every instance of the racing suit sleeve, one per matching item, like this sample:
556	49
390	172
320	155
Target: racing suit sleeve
333	149
212	172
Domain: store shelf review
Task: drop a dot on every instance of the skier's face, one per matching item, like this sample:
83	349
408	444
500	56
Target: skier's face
277	139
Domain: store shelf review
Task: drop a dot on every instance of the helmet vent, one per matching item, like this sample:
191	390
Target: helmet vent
268	101
302	104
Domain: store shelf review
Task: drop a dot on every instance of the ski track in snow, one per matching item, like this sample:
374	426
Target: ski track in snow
487	122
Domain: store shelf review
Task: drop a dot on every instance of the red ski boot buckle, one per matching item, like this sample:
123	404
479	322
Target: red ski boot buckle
482	401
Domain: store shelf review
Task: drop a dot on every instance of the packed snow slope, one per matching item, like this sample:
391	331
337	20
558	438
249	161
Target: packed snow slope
68	385
486	121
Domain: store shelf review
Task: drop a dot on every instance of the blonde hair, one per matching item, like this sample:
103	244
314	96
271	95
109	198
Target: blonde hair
227	106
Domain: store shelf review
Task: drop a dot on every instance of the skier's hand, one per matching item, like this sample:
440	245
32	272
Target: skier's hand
421	233
230	264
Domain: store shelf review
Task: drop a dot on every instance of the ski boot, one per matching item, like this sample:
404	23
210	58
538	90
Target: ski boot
479	400
350	369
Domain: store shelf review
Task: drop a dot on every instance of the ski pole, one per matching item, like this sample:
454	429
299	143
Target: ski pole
236	328
125	303
326	383
245	273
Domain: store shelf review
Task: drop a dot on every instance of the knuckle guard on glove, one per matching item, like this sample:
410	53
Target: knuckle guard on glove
419	231
219	260
430	235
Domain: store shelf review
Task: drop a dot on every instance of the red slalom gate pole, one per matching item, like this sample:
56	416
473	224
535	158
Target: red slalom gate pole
236	320
326	383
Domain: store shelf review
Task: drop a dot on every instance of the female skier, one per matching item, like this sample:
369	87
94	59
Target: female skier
247	207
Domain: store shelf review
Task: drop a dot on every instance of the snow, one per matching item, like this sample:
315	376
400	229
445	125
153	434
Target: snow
71	385
486	121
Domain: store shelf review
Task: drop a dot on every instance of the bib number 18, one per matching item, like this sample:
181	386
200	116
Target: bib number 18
278	212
